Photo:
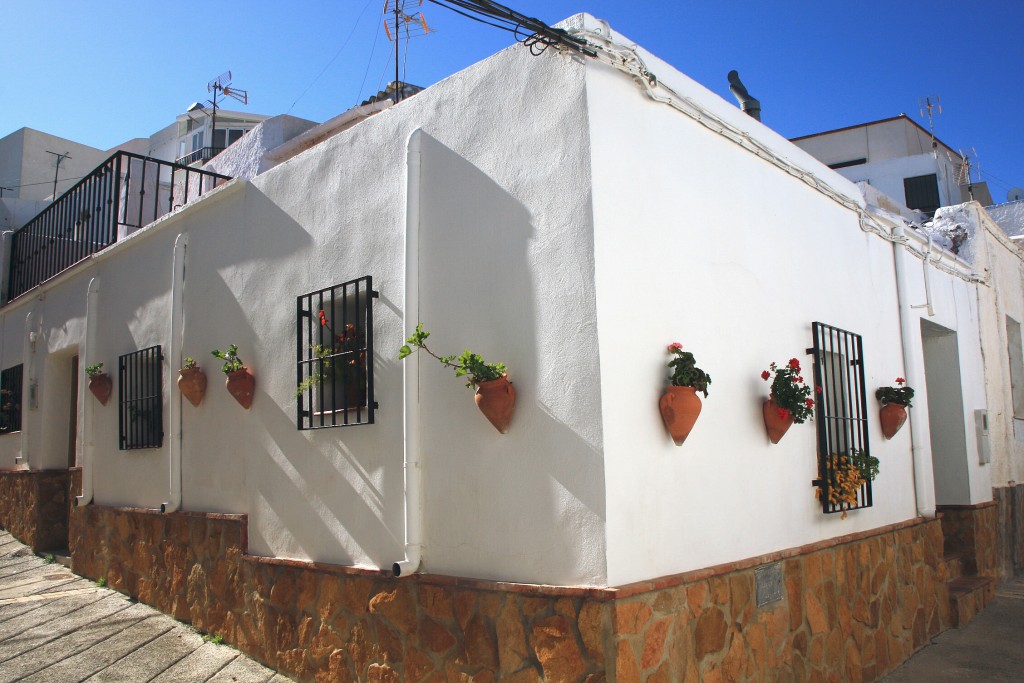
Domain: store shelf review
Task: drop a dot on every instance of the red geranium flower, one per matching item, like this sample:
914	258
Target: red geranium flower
674	346
799	379
817	389
795	364
323	318
765	375
810	403
783	414
900	380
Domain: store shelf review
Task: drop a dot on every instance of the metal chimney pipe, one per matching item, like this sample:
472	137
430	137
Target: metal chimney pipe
748	104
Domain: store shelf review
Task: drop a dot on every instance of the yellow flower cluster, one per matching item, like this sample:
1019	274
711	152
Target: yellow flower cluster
844	483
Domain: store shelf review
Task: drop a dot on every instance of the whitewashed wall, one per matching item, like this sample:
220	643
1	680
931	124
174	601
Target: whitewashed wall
699	241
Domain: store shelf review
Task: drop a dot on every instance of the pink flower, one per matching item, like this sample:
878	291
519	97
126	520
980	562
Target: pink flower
675	346
765	375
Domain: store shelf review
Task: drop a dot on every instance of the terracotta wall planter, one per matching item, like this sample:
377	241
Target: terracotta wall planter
192	383
101	387
776	425
496	399
242	385
680	407
893	416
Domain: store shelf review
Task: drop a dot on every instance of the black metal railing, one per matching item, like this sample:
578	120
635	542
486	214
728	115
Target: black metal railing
124	193
140	399
841	411
202	154
334	355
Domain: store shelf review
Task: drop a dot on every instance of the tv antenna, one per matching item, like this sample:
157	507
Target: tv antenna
399	23
933	106
56	170
221	85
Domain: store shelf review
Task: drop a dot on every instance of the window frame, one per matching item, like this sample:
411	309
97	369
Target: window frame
841	407
140	383
11	380
341	305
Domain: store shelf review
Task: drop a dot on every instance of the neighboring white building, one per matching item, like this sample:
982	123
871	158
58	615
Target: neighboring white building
556	223
899	158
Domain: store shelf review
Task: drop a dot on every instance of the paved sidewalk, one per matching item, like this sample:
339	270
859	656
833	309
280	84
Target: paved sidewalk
989	648
56	627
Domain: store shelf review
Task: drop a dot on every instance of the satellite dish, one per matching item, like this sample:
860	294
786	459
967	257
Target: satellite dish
1015	195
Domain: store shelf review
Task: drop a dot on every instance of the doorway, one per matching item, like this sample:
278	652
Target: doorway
946	414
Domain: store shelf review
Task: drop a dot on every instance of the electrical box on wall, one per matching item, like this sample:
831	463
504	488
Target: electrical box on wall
981	432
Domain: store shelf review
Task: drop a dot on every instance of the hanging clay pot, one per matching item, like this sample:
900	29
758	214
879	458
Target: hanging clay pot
893	416
496	399
680	407
192	383
101	387
242	385
776	425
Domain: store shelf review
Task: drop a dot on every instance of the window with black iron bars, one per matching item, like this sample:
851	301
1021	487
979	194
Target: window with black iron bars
140	400
334	355
845	467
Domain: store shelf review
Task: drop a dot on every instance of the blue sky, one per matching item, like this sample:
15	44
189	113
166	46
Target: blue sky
104	72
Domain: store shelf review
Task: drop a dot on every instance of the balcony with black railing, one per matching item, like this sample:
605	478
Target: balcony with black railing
121	195
201	155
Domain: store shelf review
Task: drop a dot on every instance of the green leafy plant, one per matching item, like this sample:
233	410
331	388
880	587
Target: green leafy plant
344	359
94	369
900	394
189	363
215	639
866	463
685	372
49	558
232	363
790	392
101	582
467	364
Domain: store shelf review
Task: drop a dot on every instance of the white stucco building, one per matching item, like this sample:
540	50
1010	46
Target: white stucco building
558	225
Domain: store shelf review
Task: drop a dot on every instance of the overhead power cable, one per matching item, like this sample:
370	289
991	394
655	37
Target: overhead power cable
532	32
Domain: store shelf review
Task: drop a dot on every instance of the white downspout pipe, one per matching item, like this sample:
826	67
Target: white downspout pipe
174	405
924	476
92	300
28	358
410	367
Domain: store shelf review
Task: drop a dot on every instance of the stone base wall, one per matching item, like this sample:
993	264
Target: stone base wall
851	609
1009	530
34	507
971	531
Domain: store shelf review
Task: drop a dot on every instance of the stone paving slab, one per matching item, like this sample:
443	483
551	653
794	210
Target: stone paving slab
56	627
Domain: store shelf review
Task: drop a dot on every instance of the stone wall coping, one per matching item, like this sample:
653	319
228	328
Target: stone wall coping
592	592
975	506
26	472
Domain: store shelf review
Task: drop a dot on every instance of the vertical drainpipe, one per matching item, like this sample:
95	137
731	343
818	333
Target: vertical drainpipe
924	477
27	358
92	300
174	405
410	367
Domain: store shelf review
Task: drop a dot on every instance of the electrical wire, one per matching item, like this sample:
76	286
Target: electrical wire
334	58
368	63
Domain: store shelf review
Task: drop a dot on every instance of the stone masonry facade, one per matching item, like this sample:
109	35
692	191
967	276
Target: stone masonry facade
971	531
34	505
851	609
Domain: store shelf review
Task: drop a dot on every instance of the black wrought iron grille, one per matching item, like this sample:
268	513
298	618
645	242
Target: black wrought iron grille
841	411
126	191
141	403
10	399
334	355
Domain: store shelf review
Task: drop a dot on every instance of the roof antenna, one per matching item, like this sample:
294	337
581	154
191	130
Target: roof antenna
933	106
396	22
222	85
56	170
750	106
